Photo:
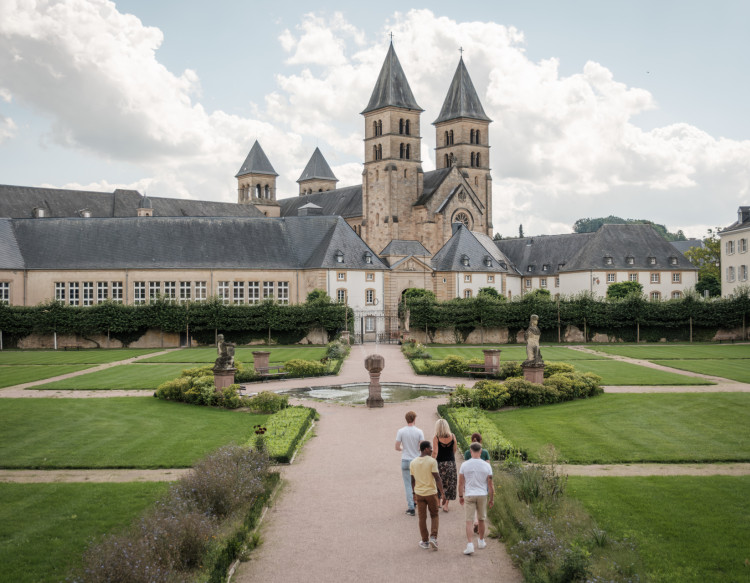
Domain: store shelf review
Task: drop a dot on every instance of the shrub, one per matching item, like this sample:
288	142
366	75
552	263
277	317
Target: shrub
413	349
267	402
173	390
489	395
201	371
467	420
228	397
574	385
284	431
246	375
297	367
551	368
223	481
510	368
523	393
338	349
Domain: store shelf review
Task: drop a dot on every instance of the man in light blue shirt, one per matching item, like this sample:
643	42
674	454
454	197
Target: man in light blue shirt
407	442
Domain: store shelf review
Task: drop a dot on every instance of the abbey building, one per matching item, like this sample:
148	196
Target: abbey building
365	244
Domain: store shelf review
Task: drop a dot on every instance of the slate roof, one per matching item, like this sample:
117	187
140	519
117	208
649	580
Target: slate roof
404	247
391	88
182	243
18	202
742	222
256	163
318	168
683	246
549	250
464	243
462	99
430	183
584	251
344	202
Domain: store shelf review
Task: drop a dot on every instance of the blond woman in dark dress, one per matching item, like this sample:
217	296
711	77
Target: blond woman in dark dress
444	451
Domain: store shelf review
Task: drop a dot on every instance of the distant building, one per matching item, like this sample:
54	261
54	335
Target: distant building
734	252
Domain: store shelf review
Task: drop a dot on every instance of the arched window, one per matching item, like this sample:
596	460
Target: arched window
380	151
471	137
401	126
476	136
446	161
404	173
257	190
401	150
472	159
378	127
408	152
266	192
450	137
446	138
374	128
407	129
476	181
478	162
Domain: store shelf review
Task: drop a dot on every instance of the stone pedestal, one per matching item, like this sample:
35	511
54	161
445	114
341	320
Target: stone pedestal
534	373
345	336
374	365
260	359
491	359
223	378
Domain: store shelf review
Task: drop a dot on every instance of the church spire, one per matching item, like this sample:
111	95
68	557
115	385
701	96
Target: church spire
462	99
392	89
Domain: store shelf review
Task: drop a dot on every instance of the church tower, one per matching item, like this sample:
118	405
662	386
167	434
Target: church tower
392	178
462	138
256	182
317	175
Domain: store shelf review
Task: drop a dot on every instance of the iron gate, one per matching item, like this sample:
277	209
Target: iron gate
376	326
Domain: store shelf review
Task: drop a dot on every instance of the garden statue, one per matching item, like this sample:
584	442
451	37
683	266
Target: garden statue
533	366
532	336
226	354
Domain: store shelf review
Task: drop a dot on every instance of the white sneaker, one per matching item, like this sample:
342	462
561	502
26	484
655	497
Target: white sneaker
481	544
469	549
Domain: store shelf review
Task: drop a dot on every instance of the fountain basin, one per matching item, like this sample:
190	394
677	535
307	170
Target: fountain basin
357	393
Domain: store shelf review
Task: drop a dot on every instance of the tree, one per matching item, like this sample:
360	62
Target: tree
497	237
489	292
623	289
591	225
418	293
707	258
318	295
709	282
520	231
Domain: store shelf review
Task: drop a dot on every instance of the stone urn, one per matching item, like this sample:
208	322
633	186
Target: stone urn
374	365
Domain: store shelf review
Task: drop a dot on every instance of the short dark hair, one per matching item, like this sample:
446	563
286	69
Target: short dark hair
423	445
410	416
476	437
475	446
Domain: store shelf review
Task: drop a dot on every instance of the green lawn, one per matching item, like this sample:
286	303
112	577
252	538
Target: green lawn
44	528
735	369
511	352
123	376
244	355
687	529
93	356
15	375
678	351
614	428
615	372
118	432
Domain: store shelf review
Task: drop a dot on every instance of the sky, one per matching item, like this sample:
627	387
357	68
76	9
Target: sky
633	108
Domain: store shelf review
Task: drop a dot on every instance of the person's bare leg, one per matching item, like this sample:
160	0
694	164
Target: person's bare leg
481	529
469	531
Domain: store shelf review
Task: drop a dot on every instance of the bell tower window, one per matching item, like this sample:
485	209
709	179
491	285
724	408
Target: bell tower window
401	126
407	129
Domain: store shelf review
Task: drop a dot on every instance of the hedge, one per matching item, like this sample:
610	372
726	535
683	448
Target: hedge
285	324
624	318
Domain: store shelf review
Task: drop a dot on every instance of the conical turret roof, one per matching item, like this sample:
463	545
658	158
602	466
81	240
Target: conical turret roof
462	99
318	168
256	163
392	88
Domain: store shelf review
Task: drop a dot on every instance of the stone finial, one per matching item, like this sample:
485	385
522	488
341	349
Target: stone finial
374	365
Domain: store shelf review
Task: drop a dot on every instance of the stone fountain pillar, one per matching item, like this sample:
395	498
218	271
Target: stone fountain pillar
491	359
374	365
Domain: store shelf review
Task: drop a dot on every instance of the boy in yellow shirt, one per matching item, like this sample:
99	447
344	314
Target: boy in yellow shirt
425	483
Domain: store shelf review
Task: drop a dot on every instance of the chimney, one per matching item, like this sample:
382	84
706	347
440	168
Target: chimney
310	209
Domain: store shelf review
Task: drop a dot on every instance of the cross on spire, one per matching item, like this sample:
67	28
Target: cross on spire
391	35
461	50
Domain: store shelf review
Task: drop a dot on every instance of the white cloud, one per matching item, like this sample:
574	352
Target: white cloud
563	147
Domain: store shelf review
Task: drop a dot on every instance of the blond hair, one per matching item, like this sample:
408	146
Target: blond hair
442	429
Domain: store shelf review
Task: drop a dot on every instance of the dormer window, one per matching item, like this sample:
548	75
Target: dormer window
607	260
673	260
560	266
465	260
488	261
652	260
503	265
545	267
39	212
368	257
530	268
629	260
85	213
339	256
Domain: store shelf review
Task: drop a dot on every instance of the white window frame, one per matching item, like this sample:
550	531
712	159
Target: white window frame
543	282
154	290
117	292
370	297
73	293
490	279
369	323
268	290
677	277
102	291
201	291
222	291
4	292
60	291
139	292
676	295
170	290
186	291
611	278
341	295
730	247
633	277
655	295
282	292
238	292
655	277
253	292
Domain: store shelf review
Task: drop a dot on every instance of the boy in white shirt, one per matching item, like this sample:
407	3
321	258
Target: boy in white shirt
475	481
